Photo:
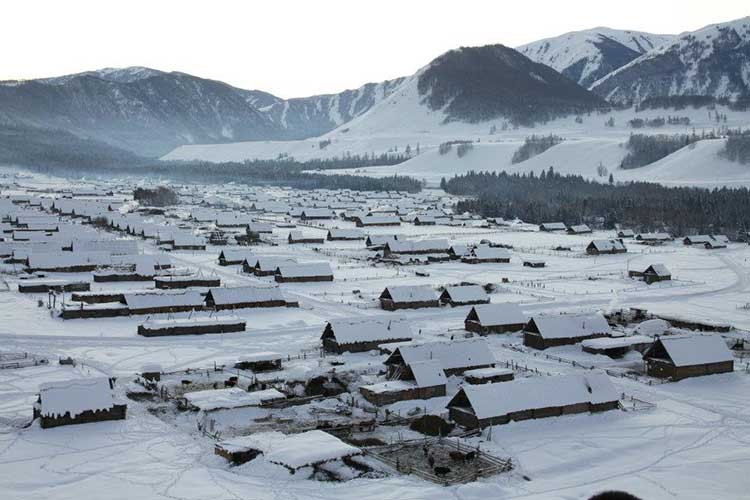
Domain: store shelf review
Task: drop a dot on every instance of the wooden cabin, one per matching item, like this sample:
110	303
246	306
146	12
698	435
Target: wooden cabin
552	226
542	332
464	295
653	274
298	237
359	334
222	299
455	356
484	405
604	247
176	282
345	235
579	229
678	357
234	256
377	220
304	273
408	297
190	326
486	254
488	375
495	318
77	401
418	380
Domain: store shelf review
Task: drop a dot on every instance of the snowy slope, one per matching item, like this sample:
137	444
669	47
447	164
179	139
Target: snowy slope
588	55
713	61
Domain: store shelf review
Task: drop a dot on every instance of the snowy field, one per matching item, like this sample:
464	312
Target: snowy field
693	444
587	146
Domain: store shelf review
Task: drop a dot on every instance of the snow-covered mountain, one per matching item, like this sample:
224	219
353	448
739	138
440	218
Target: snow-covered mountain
588	55
713	61
304	117
142	110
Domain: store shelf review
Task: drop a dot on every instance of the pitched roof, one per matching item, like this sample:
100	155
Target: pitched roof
451	354
499	399
75	396
411	293
246	294
499	314
608	245
466	293
696	349
428	373
571	326
369	329
308	269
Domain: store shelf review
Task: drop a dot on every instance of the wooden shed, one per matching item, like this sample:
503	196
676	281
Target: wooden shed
455	356
191	326
298	237
542	332
304	273
486	254
495	318
682	356
221	299
359	334
484	405
418	380
78	401
464	295
408	297
604	247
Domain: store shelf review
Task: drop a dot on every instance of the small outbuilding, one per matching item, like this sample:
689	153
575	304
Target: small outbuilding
464	295
604	247
542	332
360	334
495	318
678	357
484	405
78	401
408	297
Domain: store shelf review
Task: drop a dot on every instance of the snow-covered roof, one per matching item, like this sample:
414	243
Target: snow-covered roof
553	226
231	397
260	356
499	314
75	396
137	301
451	354
309	448
67	259
482	373
239	254
113	247
616	342
193	321
696	349
466	293
428	373
487	253
270	263
408	246
493	400
411	293
245	294
308	269
607	245
369	329
571	326
658	269
346	233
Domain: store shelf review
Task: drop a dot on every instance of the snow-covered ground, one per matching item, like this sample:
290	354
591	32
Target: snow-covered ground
587	145
692	445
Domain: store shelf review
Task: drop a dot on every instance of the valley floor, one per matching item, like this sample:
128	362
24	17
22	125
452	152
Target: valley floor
694	444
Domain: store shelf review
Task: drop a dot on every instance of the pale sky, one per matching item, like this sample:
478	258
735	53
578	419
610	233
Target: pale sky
299	48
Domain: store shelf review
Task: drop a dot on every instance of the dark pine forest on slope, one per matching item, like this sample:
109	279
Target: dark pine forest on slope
573	199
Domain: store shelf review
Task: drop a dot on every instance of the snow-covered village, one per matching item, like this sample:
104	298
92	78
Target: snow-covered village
515	273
